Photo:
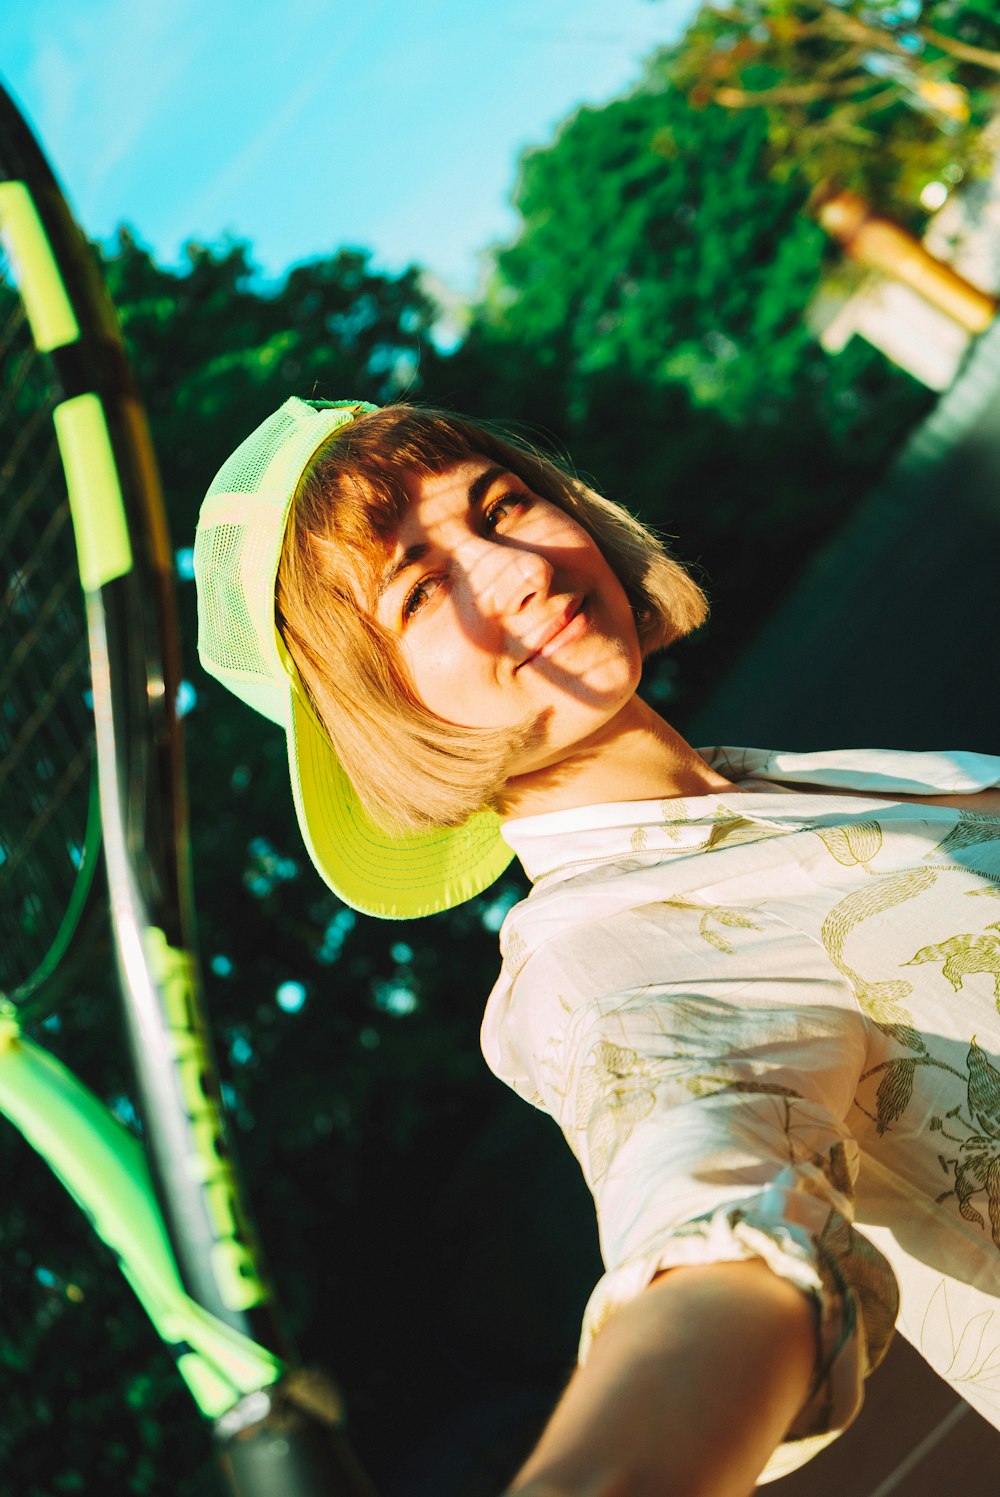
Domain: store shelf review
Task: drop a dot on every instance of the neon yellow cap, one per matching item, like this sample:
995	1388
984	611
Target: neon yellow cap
237	549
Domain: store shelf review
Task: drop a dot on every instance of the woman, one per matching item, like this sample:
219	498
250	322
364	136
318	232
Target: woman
739	977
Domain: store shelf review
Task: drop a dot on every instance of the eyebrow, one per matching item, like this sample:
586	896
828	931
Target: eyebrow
480	487
477	491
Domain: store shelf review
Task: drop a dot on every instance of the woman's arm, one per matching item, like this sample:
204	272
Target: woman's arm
687	1390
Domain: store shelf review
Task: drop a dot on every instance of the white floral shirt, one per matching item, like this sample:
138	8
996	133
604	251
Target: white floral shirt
767	1023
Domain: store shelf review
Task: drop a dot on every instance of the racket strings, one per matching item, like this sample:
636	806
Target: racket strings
49	538
12	327
44	873
46	723
56	733
36	591
24	488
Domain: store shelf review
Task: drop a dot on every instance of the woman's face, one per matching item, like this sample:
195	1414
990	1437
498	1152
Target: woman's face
507	612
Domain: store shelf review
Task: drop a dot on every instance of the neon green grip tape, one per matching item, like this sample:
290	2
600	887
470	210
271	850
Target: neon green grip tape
95	496
48	308
105	1169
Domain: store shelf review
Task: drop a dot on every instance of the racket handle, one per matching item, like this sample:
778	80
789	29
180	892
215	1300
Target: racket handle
285	1442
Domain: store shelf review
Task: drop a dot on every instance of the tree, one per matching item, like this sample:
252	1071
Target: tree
649	246
216	351
880	97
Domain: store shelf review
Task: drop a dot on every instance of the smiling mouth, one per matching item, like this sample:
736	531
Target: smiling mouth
573	621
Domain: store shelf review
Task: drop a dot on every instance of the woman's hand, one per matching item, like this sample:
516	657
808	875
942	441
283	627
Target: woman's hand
687	1390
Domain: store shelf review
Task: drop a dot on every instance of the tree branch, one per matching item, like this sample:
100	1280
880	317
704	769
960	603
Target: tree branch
793	93
872	37
981	57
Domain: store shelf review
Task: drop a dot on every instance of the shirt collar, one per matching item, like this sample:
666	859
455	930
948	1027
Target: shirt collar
643	831
562	842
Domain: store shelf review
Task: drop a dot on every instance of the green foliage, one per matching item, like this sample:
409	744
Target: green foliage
215	352
879	96
654	247
632	226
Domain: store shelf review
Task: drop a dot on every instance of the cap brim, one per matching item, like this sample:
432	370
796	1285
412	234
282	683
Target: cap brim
396	878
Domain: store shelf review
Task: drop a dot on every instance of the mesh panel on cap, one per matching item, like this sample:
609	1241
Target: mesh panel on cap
227	634
242	472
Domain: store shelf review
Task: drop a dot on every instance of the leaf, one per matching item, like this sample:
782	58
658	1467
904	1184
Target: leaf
966	1188
968	1355
904	1034
854	1259
894	1092
993	1196
514	950
971	829
855	843
732	918
838	1171
761	1088
718	941
984	1091
738	918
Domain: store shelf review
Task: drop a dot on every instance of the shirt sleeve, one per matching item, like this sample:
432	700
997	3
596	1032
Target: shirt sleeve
708	1116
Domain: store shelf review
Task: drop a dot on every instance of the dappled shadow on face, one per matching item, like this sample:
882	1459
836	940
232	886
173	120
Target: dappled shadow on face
530	598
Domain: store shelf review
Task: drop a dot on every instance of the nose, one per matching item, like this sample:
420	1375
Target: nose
507	579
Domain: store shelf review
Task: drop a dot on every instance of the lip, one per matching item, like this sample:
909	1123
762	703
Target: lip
556	632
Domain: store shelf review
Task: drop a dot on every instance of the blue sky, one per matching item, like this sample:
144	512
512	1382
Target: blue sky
311	124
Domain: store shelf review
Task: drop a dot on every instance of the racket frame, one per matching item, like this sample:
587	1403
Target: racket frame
184	1238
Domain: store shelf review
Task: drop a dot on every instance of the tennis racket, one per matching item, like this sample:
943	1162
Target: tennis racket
91	774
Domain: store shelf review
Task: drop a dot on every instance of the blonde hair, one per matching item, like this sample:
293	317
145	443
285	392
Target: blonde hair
410	769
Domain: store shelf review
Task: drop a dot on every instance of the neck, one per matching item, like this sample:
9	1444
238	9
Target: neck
636	756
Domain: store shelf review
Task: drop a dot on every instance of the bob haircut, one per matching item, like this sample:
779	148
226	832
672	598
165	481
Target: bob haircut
411	770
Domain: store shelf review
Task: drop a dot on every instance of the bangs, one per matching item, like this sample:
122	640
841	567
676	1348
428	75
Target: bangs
353	493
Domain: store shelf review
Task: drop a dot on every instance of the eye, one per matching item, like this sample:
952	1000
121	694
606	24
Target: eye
418	595
500	509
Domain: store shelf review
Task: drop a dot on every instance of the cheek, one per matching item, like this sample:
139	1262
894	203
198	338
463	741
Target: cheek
432	671
451	674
